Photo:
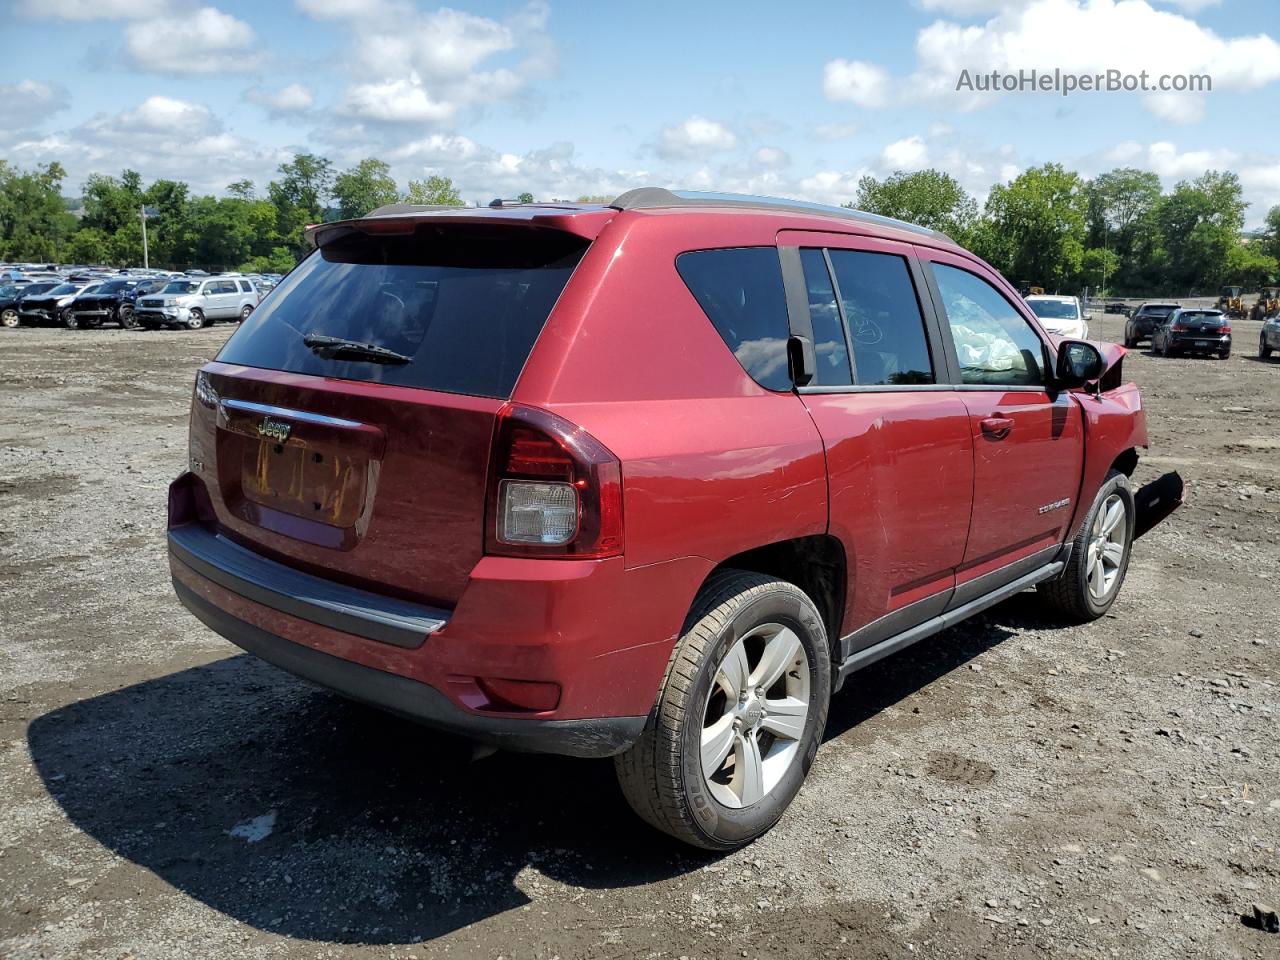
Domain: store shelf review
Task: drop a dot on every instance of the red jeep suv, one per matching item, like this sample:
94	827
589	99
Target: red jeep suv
646	480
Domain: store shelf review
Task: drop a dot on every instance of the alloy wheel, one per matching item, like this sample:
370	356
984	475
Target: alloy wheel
9	318
755	715
1107	545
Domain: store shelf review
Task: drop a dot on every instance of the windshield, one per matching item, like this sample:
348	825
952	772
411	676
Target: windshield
8	291
1160	310
112	286
463	304
1054	309
37	288
64	288
181	286
92	288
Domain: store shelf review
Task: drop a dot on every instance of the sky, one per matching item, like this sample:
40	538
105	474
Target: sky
562	98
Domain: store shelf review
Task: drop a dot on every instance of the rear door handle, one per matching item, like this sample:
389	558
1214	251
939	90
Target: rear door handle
997	428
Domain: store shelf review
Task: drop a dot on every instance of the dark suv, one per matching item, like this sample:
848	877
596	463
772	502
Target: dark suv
1142	323
646	480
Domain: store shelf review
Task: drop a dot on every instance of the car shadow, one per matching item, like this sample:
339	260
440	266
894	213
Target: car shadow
302	814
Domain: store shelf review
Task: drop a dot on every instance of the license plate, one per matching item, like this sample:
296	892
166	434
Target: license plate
1202	343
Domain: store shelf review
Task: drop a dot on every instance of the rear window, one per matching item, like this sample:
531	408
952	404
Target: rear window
464	304
740	290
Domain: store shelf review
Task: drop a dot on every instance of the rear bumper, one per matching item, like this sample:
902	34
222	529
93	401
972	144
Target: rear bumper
595	737
1208	341
556	656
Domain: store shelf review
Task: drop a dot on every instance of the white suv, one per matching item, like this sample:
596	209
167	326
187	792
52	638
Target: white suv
193	303
1062	316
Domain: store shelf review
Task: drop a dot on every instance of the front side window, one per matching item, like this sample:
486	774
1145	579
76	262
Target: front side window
994	344
740	291
885	324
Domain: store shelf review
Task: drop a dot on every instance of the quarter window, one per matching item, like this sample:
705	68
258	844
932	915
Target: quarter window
994	344
740	290
884	320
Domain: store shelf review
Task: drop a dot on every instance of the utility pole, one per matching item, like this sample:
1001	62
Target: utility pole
146	260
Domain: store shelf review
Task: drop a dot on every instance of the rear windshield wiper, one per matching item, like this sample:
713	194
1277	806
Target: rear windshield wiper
336	348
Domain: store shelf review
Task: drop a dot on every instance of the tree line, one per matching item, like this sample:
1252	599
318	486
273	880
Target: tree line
1119	232
243	230
1049	226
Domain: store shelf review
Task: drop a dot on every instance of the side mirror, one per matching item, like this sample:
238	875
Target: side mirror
1078	363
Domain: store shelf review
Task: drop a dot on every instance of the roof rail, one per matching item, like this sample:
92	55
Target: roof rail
647	198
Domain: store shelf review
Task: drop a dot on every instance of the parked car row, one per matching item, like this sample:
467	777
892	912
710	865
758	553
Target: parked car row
128	299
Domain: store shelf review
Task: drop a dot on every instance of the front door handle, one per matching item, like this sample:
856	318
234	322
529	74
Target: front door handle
996	428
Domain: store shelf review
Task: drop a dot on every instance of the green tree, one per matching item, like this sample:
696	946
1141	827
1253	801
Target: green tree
242	189
1200	223
433	190
525	197
1036	226
366	186
1250	265
300	196
1271	233
34	222
1098	266
111	204
928	198
88	245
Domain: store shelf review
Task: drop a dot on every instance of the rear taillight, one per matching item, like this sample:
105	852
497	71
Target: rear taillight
1177	328
1225	328
554	490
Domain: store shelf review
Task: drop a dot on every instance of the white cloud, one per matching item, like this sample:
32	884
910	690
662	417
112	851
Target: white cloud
92	9
295	98
160	137
772	158
835	131
428	67
909	153
695	137
161	115
396	101
857	81
204	41
342	9
28	102
1075	36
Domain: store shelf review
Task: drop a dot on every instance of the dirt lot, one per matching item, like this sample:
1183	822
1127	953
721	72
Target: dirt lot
1005	789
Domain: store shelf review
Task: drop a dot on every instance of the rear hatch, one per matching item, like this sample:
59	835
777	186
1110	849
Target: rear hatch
368	466
1202	323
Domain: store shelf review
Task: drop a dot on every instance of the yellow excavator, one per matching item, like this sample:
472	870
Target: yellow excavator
1268	304
1230	302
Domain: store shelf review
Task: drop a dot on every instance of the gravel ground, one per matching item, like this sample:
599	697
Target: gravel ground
1009	788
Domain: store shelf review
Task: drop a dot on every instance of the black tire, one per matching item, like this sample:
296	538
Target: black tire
125	317
1224	354
1070	594
244	312
195	320
70	320
661	775
1264	349
9	318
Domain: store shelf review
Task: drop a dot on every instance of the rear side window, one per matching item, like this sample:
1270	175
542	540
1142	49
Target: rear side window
464	304
886	327
245	287
740	290
829	345
994	344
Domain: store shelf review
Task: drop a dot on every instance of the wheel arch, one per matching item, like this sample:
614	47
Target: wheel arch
816	564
